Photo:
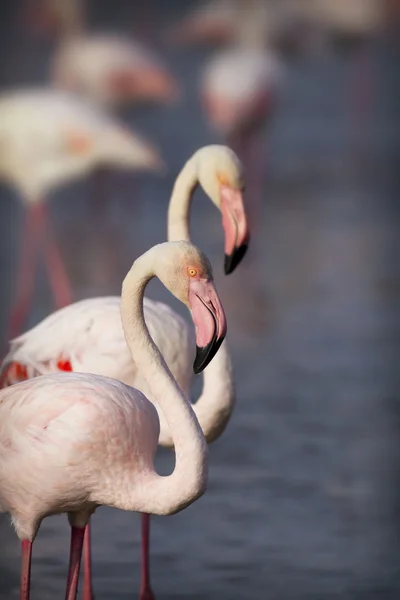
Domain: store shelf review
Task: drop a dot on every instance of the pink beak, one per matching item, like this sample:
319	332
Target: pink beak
234	221
209	319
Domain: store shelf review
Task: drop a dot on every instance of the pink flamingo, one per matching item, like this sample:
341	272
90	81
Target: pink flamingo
239	89
87	336
110	69
70	442
48	138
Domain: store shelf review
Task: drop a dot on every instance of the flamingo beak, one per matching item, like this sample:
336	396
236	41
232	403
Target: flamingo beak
209	319
234	221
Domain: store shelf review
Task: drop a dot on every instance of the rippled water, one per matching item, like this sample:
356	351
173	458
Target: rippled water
302	499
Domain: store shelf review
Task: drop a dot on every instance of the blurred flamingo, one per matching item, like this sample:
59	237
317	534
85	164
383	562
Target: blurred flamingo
210	23
110	69
72	442
47	139
240	87
87	336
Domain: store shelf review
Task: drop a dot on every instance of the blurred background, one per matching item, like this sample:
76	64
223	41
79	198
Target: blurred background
303	494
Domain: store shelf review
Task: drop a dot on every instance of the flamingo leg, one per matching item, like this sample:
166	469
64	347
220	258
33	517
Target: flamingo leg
26	548
58	278
77	535
26	270
146	593
87	566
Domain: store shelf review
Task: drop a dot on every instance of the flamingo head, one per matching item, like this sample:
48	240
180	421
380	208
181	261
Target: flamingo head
221	175
128	150
187	273
148	83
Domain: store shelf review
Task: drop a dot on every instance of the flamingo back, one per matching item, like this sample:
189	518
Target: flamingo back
87	337
87	64
48	138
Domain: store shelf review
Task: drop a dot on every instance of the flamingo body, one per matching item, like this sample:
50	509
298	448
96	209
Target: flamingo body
239	87
112	69
84	433
48	138
87	337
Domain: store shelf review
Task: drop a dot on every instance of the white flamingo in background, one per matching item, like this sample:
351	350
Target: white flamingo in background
72	442
87	336
48	138
110	69
240	87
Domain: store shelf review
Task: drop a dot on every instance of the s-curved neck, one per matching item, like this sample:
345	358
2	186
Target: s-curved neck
179	205
157	494
214	407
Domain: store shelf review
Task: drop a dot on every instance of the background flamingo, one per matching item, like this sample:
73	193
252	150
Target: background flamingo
76	441
239	89
47	139
87	336
108	68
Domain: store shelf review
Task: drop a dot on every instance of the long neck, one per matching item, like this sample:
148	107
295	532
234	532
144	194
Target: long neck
214	407
179	205
157	494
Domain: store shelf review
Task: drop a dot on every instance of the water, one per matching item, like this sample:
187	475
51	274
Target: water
302	500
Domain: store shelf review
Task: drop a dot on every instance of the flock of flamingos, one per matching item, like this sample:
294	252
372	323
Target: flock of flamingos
74	432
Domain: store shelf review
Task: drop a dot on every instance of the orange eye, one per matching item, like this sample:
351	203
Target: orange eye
192	272
223	180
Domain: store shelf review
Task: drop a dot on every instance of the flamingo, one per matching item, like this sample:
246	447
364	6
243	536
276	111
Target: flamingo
70	442
240	86
48	138
109	69
87	336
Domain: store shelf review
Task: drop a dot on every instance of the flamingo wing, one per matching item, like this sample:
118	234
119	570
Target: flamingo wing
87	336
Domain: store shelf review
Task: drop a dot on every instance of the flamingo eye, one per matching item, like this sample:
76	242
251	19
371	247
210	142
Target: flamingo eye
192	272
223	179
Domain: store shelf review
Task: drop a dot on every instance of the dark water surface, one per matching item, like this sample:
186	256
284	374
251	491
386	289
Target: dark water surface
302	500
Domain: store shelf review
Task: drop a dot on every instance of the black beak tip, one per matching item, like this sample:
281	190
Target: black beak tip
205	355
232	260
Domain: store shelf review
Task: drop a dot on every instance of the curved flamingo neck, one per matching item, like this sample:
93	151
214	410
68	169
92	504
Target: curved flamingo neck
179	205
162	495
215	405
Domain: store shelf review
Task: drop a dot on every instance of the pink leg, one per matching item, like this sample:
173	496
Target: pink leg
26	547
57	274
29	239
77	535
87	566
146	593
